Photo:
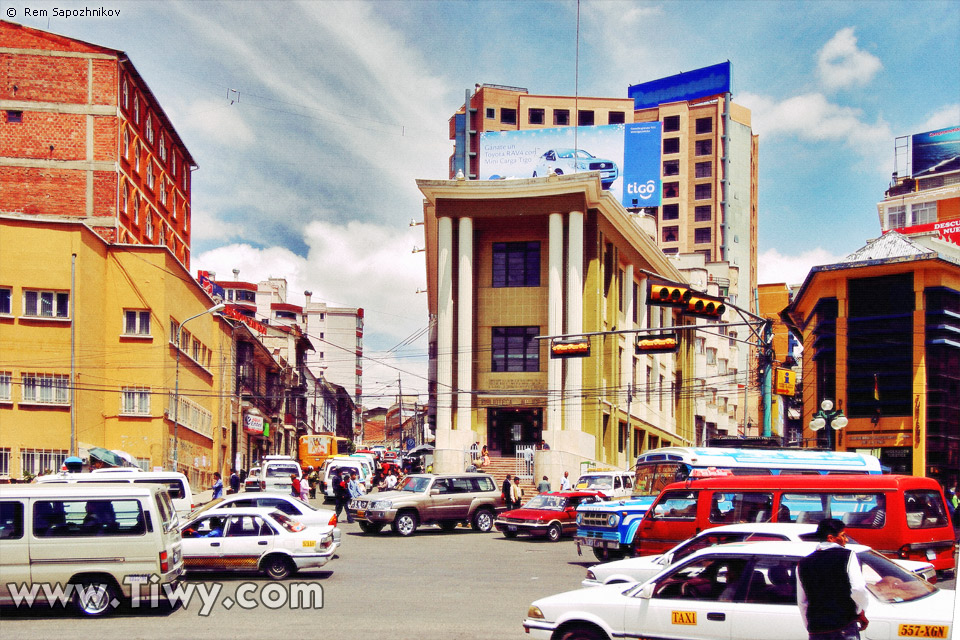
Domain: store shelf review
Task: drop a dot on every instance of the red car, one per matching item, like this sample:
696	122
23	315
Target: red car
550	514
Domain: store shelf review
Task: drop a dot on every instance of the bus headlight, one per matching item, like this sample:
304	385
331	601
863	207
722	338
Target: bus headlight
579	519
613	520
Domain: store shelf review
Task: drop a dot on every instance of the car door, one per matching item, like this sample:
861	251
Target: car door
247	538
442	500
769	602
691	601
672	519
15	567
203	542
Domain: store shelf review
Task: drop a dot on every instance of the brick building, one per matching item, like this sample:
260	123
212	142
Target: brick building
82	137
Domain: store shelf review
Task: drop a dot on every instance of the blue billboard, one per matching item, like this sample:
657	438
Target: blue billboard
627	157
936	151
690	85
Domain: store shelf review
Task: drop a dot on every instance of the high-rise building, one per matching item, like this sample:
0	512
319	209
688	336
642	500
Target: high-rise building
82	137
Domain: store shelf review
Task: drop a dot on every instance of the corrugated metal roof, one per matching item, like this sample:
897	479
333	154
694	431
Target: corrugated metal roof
889	245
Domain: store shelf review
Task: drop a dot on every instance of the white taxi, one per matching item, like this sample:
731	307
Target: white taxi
260	539
746	591
645	567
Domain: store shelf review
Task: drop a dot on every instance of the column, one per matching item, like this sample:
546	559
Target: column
555	322
444	325
573	387
465	325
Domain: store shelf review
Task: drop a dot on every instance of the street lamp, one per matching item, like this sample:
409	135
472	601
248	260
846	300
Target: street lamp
176	383
827	416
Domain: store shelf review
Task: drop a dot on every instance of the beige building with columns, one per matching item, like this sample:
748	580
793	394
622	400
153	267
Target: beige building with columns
508	261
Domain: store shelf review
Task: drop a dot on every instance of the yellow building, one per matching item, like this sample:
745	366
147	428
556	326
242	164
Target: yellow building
881	339
511	260
87	333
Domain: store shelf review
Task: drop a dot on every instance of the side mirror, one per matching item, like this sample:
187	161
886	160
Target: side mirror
647	590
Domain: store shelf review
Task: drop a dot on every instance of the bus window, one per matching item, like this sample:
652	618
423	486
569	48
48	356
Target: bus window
729	508
925	509
680	505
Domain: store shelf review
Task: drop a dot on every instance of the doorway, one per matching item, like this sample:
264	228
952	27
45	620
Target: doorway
509	428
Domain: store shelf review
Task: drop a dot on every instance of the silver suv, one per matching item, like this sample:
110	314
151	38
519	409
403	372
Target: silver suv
446	500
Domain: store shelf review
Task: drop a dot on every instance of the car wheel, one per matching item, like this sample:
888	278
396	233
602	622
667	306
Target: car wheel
370	527
509	534
554	532
278	568
448	525
583	633
483	521
405	523
94	597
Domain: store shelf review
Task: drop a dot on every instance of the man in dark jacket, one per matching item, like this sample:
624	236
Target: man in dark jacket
341	493
505	491
832	593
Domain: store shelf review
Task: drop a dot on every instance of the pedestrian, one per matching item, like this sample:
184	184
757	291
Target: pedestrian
516	493
234	482
217	485
565	482
831	592
341	494
314	479
543	486
305	486
505	491
294	485
391	480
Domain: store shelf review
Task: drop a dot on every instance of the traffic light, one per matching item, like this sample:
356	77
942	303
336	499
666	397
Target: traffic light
657	343
668	294
704	307
570	348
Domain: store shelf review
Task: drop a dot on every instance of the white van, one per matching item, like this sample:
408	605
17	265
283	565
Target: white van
275	472
612	483
100	539
176	484
346	463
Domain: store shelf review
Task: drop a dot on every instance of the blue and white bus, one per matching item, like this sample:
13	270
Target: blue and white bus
609	527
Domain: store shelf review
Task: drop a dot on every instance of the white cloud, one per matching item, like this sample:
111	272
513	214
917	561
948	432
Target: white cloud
842	65
218	122
773	266
948	116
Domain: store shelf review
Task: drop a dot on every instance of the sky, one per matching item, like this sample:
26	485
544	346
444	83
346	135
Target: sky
310	121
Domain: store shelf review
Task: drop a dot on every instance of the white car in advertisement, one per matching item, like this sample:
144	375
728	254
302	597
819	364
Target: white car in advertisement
561	161
746	591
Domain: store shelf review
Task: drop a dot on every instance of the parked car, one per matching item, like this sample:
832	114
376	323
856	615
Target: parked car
684	600
551	515
561	161
293	507
645	567
612	484
175	483
252	481
275	472
259	539
445	500
102	537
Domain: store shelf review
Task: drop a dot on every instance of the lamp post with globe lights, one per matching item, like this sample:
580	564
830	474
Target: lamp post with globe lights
827	416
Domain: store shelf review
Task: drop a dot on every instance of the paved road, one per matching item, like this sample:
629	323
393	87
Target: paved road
433	585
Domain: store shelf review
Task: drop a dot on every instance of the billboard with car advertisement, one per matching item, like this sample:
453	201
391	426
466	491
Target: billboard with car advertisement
627	156
935	151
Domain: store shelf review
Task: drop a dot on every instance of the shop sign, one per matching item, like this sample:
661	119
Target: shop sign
253	424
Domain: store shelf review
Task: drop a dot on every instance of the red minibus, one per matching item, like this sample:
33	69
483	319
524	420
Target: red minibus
900	516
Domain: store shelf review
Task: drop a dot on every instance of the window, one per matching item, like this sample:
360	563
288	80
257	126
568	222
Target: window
6	301
136	157
731	508
925	509
616	117
196	351
136	209
516	264
149	130
41	462
148	219
671	189
711	356
491	113
126	143
896	216
515	349
700	344
173	202
703	147
649	385
136	109
704	125
676	505
508	116
660	392
671	211
173	164
671	145
126	94
585	118
6	387
701	235
923	212
671	167
46	304
14	117
75	518
703	169
163	147
135	401
561	117
670	234
150	177
136	322
536	116
702	191
44	388
863	511
703	213
722	366
671	123
163	191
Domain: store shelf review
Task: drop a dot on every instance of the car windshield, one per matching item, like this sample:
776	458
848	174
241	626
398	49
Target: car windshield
414	484
889	582
595	482
544	501
281	470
